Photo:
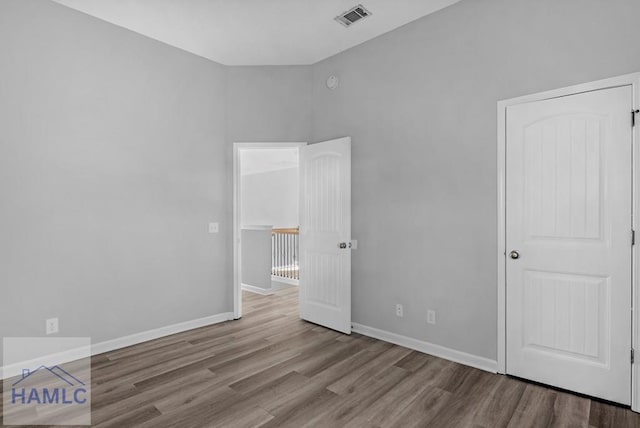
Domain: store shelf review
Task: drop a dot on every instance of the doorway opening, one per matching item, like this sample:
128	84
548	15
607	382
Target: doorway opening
324	242
266	220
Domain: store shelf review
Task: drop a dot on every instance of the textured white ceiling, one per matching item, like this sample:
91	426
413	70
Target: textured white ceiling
257	32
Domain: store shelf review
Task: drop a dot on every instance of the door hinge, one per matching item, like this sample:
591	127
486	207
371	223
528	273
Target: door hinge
632	356
633	237
633	117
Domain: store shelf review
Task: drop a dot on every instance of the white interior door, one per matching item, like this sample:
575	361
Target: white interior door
568	237
325	234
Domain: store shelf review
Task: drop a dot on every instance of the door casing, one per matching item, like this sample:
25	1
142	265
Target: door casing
625	80
237	250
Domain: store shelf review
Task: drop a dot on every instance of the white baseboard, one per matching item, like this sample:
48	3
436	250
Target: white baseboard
266	291
111	345
58	358
428	348
257	290
145	336
285	281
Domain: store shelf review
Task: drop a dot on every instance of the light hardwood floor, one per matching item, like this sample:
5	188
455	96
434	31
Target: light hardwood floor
271	369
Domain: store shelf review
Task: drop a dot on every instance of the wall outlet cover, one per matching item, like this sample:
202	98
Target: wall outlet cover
51	325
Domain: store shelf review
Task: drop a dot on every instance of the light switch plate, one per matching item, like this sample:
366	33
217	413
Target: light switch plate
431	316
214	227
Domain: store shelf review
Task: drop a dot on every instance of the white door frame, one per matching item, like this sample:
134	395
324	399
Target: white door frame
237	223
632	80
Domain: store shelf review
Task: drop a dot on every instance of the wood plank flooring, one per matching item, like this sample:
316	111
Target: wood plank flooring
271	369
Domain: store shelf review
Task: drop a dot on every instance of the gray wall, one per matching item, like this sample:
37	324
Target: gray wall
115	151
256	258
113	160
420	104
269	104
271	198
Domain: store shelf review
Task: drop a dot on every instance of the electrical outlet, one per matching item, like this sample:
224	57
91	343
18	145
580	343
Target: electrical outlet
399	310
51	325
431	316
214	227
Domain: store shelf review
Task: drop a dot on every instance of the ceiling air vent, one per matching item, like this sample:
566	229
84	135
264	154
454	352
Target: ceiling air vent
352	15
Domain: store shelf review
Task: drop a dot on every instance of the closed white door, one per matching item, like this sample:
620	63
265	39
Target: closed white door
568	237
325	234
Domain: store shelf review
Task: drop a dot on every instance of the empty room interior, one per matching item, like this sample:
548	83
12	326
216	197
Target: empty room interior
305	213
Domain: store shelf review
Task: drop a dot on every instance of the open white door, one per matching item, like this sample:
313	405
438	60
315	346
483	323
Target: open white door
325	234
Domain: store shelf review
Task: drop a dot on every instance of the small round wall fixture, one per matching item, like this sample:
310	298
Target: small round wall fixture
332	82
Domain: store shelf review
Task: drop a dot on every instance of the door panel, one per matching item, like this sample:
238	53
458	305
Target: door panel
564	313
568	200
562	177
325	222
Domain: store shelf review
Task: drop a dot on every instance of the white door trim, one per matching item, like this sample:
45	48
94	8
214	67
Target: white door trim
626	80
237	251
